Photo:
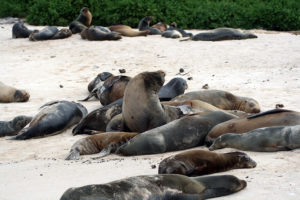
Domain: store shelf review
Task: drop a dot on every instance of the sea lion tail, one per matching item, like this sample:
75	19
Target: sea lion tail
186	39
73	155
88	97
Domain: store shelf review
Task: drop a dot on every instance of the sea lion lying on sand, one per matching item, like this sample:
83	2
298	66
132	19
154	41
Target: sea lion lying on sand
50	33
128	31
158	187
10	128
201	162
19	30
276	138
10	94
95	34
54	118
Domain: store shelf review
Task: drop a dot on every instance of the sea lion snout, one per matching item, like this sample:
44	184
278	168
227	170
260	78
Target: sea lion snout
21	96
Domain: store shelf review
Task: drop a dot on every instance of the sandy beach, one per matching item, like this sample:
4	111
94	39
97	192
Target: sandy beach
266	69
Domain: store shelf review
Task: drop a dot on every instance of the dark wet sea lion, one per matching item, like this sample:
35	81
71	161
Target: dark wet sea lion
102	28
100	77
201	162
144	25
277	117
222	99
268	139
128	31
115	124
223	34
186	132
54	118
102	143
173	88
50	33
173	26
171	34
83	21
141	108
112	89
11	94
19	30
95	34
158	187
10	128
98	119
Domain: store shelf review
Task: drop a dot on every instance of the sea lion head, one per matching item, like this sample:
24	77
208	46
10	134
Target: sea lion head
244	161
219	142
250	106
21	96
148	18
20	122
173	166
154	80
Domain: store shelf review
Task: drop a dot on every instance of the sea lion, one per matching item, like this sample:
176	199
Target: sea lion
172	89
141	108
144	25
128	31
201	162
159	187
115	124
83	21
268	139
173	26
95	34
10	128
186	132
112	89
98	119
222	99
171	34
160	26
50	33
54	118
11	94
105	143
19	30
102	28
275	117
222	34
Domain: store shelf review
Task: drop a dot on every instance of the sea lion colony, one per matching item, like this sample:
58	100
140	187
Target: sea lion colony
147	116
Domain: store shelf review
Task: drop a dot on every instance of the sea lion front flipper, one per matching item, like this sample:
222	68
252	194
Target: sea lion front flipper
106	151
73	155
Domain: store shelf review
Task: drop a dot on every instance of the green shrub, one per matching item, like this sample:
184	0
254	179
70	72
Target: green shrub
200	14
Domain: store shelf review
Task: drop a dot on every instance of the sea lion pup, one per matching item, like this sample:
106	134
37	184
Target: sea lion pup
172	89
171	34
186	132
161	186
19	30
54	118
141	108
201	162
98	119
112	89
222	99
105	143
83	21
144	25
50	33
10	94
268	139
222	34
183	33
95	34
275	117
160	26
10	128
128	31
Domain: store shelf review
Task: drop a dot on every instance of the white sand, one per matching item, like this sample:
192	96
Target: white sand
266	68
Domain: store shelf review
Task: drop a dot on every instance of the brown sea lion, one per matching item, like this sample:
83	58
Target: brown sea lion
10	94
186	132
160	26
159	187
83	21
276	117
201	162
94	34
268	139
127	31
141	108
105	143
222	99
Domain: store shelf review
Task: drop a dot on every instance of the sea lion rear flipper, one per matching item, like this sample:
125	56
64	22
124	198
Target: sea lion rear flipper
73	155
106	151
88	97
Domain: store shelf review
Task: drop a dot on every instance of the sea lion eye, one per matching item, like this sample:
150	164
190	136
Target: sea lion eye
251	104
